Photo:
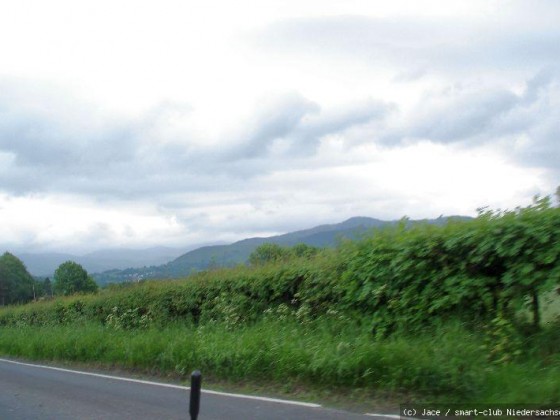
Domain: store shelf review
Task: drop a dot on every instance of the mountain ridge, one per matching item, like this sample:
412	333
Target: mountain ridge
326	235
44	264
124	264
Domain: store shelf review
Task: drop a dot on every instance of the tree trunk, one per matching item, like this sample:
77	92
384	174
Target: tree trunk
536	309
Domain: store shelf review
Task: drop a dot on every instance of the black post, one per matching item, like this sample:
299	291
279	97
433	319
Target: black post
196	382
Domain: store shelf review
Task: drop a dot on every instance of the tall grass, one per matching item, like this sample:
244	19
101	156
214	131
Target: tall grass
448	364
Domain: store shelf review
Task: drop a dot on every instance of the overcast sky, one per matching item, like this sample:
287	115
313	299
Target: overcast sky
141	123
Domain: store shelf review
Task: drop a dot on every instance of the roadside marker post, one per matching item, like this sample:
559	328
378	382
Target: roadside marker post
196	382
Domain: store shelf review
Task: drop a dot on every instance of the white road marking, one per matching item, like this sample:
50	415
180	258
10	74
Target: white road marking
186	388
391	416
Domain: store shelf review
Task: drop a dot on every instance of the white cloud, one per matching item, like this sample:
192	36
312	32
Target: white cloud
61	221
134	123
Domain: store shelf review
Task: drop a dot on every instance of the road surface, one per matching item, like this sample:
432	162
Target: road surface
29	391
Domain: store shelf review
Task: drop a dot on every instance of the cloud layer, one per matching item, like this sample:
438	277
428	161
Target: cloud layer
321	118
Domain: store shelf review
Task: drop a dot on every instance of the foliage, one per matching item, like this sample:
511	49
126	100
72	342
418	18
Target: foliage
469	270
271	252
351	316
47	287
502	342
397	279
71	278
128	319
16	284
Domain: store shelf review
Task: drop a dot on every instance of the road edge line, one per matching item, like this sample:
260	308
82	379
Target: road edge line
163	384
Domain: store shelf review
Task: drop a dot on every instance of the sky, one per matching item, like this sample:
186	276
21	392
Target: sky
141	123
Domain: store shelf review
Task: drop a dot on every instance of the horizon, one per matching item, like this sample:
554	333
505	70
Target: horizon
210	244
101	261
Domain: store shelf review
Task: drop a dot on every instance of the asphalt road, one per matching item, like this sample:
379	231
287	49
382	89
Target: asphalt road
41	392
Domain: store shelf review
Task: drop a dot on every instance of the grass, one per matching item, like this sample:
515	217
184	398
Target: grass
447	365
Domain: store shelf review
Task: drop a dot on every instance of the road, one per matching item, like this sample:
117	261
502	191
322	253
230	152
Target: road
29	391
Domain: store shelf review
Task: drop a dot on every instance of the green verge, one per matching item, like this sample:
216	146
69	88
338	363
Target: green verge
446	365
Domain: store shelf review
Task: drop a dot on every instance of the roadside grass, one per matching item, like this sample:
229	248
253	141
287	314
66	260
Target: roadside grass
529	382
446	365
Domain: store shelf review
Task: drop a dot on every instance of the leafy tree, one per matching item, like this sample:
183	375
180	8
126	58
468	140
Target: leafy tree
71	278
16	284
267	253
270	252
47	287
304	250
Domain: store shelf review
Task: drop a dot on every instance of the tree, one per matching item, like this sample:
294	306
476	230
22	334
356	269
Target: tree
16	284
270	252
71	278
267	252
302	250
47	287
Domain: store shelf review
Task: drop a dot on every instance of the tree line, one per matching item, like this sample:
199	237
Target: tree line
18	286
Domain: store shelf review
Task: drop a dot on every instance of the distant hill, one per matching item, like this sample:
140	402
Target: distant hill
238	252
44	264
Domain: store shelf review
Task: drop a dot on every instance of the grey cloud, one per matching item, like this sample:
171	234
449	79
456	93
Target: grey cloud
31	140
301	124
539	83
351	34
284	134
545	150
421	44
527	125
147	157
339	120
60	144
55	144
462	117
37	139
541	145
276	121
157	155
411	75
521	40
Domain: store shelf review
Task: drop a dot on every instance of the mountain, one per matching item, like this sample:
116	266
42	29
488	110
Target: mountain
238	252
45	264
